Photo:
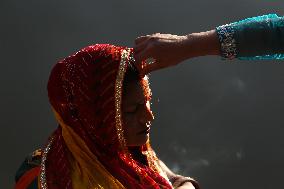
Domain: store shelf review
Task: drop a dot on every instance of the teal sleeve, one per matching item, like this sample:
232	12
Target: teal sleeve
256	38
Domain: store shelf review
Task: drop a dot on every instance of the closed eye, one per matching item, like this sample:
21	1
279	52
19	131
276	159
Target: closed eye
132	111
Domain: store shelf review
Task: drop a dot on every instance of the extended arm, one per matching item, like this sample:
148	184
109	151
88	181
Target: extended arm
253	38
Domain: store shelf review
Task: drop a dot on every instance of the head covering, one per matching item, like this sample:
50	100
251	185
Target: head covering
88	148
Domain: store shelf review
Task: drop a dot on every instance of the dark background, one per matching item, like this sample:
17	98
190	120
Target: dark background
220	122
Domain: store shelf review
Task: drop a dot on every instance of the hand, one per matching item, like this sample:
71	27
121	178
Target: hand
169	50
181	182
166	49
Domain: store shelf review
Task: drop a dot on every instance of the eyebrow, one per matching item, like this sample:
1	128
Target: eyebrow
140	101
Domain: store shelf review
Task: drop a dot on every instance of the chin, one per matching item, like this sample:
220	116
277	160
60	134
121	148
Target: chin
145	140
139	142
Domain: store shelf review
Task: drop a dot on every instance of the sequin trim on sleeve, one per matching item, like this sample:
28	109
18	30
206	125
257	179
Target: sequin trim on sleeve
227	41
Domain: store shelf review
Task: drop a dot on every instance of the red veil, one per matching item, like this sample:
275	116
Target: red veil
85	92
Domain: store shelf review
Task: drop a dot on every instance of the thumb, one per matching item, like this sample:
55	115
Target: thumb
142	55
147	68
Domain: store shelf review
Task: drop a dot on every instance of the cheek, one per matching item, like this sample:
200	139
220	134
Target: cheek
130	118
128	124
129	129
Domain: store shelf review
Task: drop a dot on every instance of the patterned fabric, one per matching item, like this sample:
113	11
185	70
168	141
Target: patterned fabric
85	93
256	38
227	41
29	179
27	175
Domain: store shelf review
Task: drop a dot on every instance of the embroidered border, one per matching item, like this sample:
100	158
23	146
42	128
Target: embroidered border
227	41
42	179
118	97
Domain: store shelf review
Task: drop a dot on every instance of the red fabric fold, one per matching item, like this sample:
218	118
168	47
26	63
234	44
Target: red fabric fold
27	178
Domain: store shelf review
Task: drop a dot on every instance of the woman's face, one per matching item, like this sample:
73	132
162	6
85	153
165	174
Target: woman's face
137	115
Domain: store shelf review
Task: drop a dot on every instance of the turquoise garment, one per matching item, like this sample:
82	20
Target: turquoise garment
257	38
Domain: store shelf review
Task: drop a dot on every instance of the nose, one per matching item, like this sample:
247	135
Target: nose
145	113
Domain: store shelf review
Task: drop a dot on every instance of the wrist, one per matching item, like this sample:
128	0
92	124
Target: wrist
202	44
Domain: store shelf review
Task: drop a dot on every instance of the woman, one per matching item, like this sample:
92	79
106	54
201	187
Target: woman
257	38
102	106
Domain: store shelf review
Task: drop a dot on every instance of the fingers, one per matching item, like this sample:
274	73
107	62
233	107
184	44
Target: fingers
142	55
142	38
142	51
147	68
144	42
141	46
138	60
144	67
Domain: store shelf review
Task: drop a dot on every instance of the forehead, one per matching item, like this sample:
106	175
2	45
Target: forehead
136	91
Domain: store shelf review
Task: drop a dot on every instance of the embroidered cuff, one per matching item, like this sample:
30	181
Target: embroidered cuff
227	41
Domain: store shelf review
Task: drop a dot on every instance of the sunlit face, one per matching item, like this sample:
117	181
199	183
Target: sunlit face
137	115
